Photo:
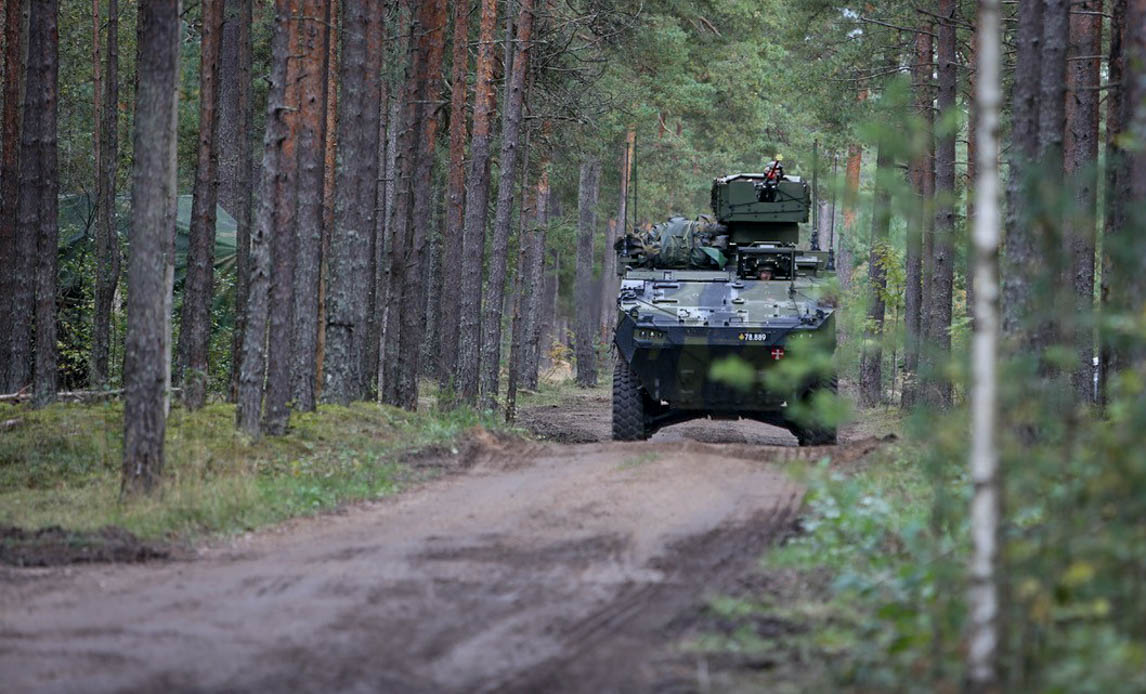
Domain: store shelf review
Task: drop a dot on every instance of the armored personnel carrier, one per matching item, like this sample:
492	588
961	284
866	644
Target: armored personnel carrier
712	311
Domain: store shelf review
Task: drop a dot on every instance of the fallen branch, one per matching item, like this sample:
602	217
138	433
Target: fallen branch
66	396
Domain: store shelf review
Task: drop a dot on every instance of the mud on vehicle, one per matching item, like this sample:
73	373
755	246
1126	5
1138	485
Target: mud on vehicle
711	311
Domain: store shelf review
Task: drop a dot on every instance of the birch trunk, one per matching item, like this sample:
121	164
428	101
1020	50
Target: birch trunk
983	595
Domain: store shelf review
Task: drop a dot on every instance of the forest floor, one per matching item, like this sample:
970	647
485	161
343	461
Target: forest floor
570	563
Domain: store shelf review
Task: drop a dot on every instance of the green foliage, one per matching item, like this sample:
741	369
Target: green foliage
61	466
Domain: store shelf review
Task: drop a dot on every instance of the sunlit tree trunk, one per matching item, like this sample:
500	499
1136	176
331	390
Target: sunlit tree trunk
583	286
152	200
983	595
477	198
198	288
512	111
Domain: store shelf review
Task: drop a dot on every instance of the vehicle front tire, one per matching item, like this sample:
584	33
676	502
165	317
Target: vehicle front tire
817	435
628	405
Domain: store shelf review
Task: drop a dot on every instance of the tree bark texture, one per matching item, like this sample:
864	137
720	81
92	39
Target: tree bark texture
1114	210
152	199
920	222
1052	82
252	372
432	19
380	241
348	278
17	318
871	376
586	352
456	193
236	123
512	109
97	137
39	184
939	302
198	287
107	237
537	314
405	131
477	198
330	153
1080	161
313	60
1021	262
524	289
284	245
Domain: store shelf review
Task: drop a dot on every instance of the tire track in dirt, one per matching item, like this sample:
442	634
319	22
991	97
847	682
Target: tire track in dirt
541	567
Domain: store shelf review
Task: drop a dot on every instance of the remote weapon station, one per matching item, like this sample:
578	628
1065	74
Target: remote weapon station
725	317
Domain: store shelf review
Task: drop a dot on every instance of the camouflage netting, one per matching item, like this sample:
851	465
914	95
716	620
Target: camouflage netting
678	244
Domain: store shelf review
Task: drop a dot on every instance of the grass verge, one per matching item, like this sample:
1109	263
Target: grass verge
60	466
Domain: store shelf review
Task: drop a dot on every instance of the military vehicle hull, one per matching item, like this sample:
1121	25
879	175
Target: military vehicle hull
726	319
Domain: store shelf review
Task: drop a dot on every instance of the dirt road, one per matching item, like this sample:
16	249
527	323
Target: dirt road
543	567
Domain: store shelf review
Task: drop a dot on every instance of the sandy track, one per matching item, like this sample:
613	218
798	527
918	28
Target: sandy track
544	567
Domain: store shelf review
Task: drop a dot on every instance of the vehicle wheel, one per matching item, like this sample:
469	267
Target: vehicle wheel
628	405
817	435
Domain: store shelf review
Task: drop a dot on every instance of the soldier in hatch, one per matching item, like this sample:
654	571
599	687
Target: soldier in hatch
766	272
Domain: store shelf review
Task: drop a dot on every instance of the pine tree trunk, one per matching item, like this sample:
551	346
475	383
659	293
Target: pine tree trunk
871	376
969	197
284	245
433	22
456	193
1021	261
252	371
348	278
477	199
405	142
539	312
920	165
983	593
851	194
380	244
586	352
1080	145
330	152
1132	250
311	174
1114	210
107	237
10	245
512	109
39	185
527	248
198	288
939	302
236	122
152	199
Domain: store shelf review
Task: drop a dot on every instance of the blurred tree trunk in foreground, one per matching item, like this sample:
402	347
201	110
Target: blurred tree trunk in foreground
983	595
